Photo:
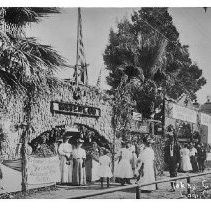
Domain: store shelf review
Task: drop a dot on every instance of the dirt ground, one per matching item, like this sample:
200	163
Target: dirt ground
163	192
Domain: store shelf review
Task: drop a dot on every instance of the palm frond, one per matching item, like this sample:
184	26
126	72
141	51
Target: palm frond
12	81
45	54
21	16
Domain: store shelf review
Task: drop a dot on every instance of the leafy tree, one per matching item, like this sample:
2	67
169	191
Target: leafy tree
26	65
148	51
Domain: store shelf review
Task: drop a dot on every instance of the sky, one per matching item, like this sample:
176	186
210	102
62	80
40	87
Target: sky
59	31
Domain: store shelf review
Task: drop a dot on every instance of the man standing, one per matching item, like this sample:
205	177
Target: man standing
172	157
193	158
201	157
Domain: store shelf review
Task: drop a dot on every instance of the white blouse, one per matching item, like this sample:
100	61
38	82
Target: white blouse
193	151
105	160
79	153
65	149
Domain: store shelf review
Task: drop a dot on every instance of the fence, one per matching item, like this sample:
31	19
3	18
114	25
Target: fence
138	187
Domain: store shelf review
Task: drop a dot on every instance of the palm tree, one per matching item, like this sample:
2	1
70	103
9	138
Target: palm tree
26	66
144	68
138	62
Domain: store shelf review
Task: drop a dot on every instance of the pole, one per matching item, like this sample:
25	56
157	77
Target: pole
24	160
76	66
155	174
113	153
164	116
188	186
138	196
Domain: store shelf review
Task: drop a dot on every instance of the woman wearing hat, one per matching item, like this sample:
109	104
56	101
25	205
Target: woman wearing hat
65	151
145	164
79	157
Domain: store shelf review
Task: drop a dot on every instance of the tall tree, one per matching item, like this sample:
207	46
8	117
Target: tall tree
26	65
147	49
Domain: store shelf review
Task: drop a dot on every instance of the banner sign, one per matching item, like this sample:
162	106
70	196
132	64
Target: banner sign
43	170
75	109
205	119
140	127
183	113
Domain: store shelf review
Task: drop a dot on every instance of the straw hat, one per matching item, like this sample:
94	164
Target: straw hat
69	132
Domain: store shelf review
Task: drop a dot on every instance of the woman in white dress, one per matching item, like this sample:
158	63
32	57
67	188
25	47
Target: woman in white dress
79	157
185	159
104	170
145	164
124	169
65	152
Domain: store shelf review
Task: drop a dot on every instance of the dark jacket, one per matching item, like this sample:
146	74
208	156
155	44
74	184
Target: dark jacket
201	153
176	154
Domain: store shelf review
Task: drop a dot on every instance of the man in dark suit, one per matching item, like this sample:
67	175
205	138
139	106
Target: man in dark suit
172	157
201	156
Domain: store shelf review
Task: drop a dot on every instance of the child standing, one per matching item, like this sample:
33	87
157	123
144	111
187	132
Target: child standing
104	170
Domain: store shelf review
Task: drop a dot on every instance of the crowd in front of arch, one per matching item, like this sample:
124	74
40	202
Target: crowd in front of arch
129	164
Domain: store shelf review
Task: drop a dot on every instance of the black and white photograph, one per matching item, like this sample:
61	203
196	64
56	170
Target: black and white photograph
105	102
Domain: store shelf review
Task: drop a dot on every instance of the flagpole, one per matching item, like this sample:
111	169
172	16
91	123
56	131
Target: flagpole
76	66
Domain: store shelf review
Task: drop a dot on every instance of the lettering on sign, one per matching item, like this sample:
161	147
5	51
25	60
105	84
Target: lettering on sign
140	127
74	109
43	170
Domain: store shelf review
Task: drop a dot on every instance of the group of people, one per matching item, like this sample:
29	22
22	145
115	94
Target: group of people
141	167
128	165
193	158
73	162
185	159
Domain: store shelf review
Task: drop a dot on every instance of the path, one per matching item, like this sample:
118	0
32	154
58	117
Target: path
162	193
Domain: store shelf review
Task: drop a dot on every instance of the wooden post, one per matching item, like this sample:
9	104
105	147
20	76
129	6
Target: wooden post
156	185
24	159
113	154
138	193
164	116
188	186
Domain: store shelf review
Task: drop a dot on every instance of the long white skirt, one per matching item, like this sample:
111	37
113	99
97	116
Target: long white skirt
123	169
66	170
148	177
95	169
104	171
186	164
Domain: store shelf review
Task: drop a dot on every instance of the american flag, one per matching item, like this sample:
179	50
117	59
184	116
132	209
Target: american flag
81	65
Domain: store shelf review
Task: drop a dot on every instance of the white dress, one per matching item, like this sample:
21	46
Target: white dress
147	158
123	168
104	169
185	160
79	171
66	170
